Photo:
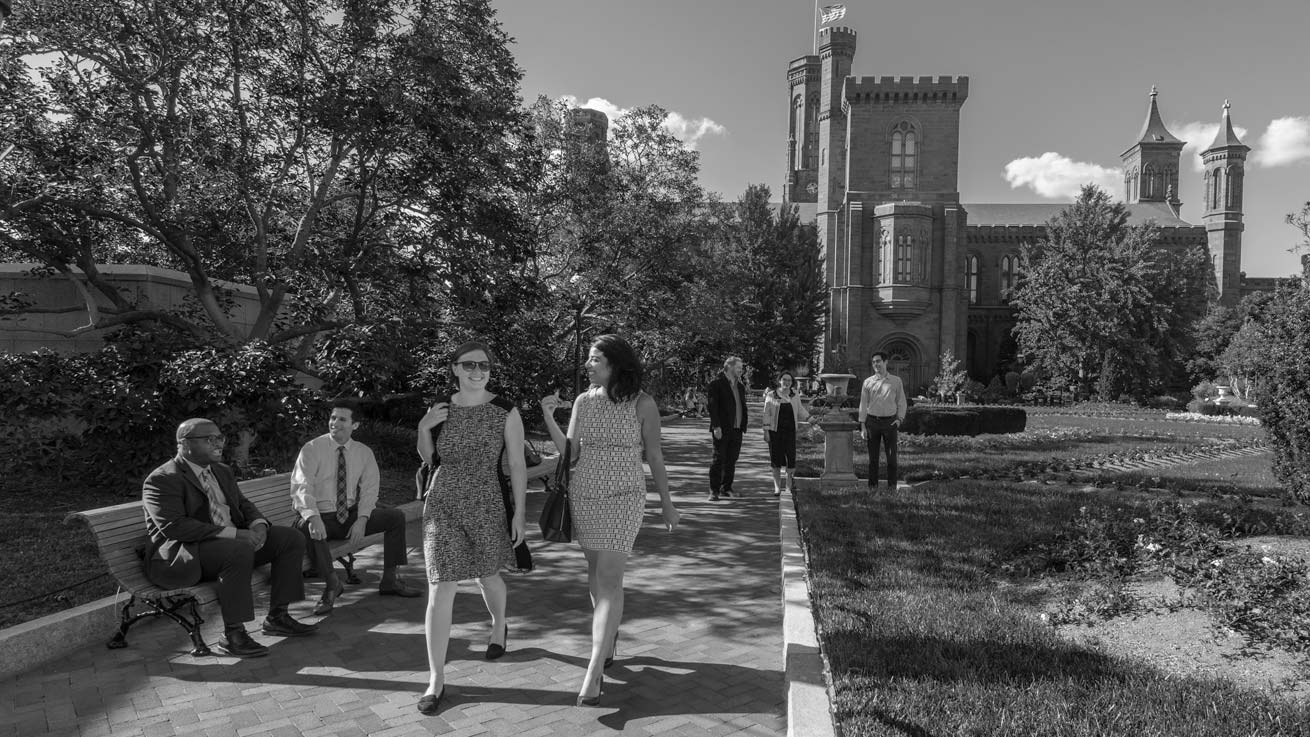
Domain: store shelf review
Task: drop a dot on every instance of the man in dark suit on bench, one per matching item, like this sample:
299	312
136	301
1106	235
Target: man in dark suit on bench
202	529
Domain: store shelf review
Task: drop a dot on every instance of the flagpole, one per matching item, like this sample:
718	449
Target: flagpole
814	40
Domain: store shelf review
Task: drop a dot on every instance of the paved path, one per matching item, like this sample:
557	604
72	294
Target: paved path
700	652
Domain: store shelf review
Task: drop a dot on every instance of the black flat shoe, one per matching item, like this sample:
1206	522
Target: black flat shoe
431	704
494	651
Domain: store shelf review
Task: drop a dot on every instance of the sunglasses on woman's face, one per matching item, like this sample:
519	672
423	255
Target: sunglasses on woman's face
471	365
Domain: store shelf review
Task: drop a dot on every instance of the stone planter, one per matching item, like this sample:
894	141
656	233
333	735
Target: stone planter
836	383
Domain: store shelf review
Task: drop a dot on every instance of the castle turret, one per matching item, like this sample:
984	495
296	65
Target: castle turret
1225	165
1151	165
803	130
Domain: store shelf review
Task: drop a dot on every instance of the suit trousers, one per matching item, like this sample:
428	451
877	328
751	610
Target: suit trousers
881	430
390	521
724	466
231	561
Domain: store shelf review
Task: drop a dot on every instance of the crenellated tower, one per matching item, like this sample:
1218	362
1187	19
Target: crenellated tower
803	88
1225	166
1151	165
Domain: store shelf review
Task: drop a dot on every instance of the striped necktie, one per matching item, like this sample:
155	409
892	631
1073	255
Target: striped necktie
217	506
343	504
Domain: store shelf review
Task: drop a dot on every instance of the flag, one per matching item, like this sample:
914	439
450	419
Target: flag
832	13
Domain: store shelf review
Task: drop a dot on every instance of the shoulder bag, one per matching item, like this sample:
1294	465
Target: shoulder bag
556	514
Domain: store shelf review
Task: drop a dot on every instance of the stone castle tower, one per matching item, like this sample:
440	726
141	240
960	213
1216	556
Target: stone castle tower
1225	166
911	271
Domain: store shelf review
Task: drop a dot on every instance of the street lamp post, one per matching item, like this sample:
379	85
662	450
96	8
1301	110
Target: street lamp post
577	347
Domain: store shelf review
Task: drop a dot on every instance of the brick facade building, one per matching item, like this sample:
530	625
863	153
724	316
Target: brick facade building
913	271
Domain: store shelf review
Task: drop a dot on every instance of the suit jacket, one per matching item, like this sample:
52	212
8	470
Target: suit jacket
721	406
177	518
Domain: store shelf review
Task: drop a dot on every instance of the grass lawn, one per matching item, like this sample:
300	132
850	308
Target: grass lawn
926	635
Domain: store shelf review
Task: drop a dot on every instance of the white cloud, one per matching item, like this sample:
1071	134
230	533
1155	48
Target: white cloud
1285	141
686	129
1058	177
1199	136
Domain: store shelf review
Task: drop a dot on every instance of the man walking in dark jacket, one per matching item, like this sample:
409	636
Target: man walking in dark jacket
727	407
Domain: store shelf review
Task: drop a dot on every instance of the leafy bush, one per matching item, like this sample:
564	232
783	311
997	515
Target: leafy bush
1284	355
104	419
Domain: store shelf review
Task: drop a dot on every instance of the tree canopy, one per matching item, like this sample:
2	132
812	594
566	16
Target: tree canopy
1102	306
343	157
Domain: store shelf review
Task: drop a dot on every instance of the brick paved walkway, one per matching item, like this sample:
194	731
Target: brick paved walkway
700	651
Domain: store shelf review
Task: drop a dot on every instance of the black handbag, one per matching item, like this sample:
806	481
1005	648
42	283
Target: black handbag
556	514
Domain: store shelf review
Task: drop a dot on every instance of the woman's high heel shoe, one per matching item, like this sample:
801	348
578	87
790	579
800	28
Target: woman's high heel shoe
613	651
494	651
592	700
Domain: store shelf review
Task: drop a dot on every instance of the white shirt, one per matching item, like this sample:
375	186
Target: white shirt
314	479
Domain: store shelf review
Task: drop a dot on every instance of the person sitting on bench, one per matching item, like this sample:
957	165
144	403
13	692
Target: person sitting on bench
202	528
334	489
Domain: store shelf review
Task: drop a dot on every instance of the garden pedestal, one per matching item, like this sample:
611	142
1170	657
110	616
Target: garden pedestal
838	448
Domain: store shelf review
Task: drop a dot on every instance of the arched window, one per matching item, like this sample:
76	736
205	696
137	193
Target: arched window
1009	276
1150	180
971	278
904	156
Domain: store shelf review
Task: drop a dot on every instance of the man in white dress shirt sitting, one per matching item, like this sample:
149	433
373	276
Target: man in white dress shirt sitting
334	489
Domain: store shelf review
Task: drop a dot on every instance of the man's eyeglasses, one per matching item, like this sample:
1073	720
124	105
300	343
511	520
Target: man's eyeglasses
471	365
211	439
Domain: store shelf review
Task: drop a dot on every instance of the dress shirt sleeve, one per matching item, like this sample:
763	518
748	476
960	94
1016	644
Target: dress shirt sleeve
302	482
368	482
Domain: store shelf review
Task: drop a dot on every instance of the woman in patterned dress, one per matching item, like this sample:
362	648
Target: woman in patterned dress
464	514
613	426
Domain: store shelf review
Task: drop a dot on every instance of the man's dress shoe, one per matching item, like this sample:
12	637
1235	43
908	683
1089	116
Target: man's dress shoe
324	605
238	643
400	588
284	626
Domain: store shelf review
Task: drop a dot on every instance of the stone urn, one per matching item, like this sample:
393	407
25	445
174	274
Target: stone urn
1226	396
836	383
838	434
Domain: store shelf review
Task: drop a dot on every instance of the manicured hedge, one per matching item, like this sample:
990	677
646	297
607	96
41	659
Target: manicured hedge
928	420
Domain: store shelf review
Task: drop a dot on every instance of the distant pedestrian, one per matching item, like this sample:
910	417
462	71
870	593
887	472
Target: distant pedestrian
727	407
614	426
783	411
882	410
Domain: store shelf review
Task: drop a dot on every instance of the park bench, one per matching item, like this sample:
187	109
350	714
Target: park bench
120	536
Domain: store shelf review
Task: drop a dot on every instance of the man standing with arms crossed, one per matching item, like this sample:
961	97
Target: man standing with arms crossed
727	406
882	410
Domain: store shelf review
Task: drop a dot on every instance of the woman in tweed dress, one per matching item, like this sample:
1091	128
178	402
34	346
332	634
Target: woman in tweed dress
464	512
613	426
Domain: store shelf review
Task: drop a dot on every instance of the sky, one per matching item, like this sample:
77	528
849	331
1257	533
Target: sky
1057	89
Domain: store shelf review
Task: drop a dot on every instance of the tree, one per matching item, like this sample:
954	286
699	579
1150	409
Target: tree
351	159
618	222
1102	306
760	286
950	379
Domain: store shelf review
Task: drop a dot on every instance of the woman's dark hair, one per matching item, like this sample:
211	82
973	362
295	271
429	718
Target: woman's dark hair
463	350
625	367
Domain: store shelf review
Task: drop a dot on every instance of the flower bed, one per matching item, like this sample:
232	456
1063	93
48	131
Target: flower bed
1214	419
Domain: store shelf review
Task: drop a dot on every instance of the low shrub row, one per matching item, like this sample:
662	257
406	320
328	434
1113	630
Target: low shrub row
1209	409
968	420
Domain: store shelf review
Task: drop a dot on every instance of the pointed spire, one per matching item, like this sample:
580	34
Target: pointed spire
1153	131
1225	135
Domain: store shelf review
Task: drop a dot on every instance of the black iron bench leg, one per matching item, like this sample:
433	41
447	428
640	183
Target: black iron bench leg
189	620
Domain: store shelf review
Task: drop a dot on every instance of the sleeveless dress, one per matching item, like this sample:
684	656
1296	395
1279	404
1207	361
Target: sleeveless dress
464	533
608	488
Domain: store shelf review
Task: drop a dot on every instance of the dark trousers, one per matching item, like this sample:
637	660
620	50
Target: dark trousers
881	430
230	562
390	521
724	465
